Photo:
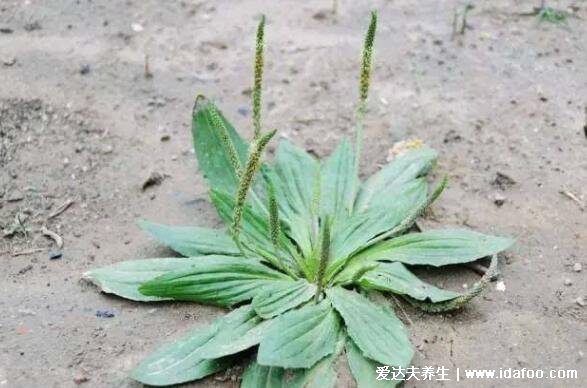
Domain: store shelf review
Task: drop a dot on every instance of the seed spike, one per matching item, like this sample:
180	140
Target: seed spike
246	180
364	83
460	301
274	225
366	63
257	85
219	125
324	257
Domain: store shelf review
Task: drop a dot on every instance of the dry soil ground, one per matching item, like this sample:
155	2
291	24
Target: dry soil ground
80	121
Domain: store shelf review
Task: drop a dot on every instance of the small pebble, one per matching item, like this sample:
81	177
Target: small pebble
10	61
500	286
85	69
499	200
104	314
15	196
580	301
80	379
137	27
577	267
55	254
568	282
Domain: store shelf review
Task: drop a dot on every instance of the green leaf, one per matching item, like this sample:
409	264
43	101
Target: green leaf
438	247
375	329
186	359
402	170
124	278
239	330
357	231
190	240
395	277
212	154
299	338
217	280
294	180
321	375
260	376
338	181
364	369
279	297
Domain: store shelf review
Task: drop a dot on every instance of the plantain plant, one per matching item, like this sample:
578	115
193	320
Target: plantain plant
306	247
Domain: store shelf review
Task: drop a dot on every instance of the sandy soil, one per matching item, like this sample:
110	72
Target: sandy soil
80	121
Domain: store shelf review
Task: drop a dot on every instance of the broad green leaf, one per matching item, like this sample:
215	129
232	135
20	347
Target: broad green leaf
213	157
124	278
259	376
191	240
402	170
375	329
299	338
338	181
238	331
281	296
438	247
183	360
321	375
364	369
217	280
294	171
434	247
356	232
395	277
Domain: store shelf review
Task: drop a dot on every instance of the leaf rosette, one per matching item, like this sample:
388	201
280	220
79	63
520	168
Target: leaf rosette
305	244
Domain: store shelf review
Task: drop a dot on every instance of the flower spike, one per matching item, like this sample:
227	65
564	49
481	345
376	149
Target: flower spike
366	64
218	124
274	225
246	180
258	78
324	257
364	83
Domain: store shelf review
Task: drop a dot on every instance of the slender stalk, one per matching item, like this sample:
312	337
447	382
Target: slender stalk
324	257
246	180
219	125
364	83
257	84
